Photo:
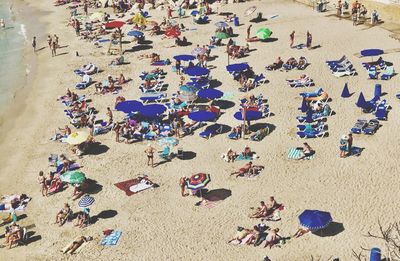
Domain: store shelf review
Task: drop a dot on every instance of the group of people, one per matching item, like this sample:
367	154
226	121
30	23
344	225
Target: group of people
66	214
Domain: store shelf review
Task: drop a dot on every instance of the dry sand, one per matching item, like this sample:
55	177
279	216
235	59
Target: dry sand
161	225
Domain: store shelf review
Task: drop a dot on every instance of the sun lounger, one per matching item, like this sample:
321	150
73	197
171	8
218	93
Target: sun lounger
378	62
88	69
315	93
234	136
344	58
302	82
318	125
302	63
359	126
341	73
211	130
312	134
153	97
259	80
388	73
372	127
381	111
372	72
86	81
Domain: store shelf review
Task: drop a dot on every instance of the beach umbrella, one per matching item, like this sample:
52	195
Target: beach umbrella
135	33
184	57
250	10
210	94
97	16
361	101
152	110
371	52
221	24
73	177
249	115
196	71
237	67
114	24
315	219
139	19
304	106
199	51
77	137
198	181
345	92
172	32
187	96
263	33
194	13
221	35
170	141
202	116
86	201
129	106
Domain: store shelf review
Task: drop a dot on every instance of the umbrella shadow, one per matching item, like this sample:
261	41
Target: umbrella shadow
258	126
189	155
138	48
97	148
145	42
105	214
217	194
32	238
269	40
225	128
331	230
258	20
215	83
93	186
224	104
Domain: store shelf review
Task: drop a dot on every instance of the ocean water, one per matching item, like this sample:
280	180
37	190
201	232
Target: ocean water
13	67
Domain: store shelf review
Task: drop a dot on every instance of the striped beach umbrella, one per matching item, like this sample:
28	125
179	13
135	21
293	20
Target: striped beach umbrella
86	201
198	181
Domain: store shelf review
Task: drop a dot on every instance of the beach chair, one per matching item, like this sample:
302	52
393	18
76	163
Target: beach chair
388	73
372	72
381	111
302	82
311	134
341	73
372	127
302	63
315	93
341	67
304	127
344	58
260	134
259	80
153	97
211	131
378	62
165	153
234	136
86	81
359	126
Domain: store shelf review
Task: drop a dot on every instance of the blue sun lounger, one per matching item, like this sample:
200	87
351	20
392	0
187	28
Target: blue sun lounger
153	97
311	134
86	81
381	111
372	127
359	126
315	93
165	153
388	73
344	58
211	130
318	125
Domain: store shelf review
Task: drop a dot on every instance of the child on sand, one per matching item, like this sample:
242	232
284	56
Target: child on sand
42	182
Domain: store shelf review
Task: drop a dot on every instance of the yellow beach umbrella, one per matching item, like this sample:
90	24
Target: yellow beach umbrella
97	16
76	138
139	19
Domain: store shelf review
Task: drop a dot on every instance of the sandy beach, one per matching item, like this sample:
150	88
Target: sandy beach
159	224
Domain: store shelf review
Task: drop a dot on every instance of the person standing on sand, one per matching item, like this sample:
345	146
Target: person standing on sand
248	31
110	115
85	7
183	184
42	183
56	40
292	39
349	144
343	145
169	12
49	41
150	155
309	40
34	44
53	49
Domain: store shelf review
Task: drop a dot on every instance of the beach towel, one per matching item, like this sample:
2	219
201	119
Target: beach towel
161	63
73	166
134	186
79	248
236	242
242	157
295	153
112	239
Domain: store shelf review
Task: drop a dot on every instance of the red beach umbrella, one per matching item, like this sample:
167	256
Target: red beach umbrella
172	32
114	24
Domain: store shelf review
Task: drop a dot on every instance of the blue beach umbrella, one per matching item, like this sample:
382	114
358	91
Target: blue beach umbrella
135	33
221	24
194	13
361	101
202	116
250	115
345	92
315	219
152	110
86	201
210	94
371	52
184	57
237	67
129	106
196	71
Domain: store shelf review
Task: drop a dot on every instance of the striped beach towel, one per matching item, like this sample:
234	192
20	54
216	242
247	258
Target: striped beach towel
295	153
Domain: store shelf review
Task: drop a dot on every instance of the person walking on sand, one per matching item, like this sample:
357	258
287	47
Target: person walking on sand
183	184
248	31
53	49
34	44
42	183
56	40
292	39
150	155
309	40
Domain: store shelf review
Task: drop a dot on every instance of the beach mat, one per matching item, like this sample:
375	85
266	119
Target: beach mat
134	186
295	153
79	248
112	239
242	157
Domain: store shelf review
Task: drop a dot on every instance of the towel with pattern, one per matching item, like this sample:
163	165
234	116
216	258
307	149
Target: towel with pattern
112	239
297	153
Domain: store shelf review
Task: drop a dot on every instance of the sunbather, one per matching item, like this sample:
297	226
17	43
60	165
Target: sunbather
231	155
261	211
245	169
13	234
247	151
76	244
307	151
272	238
63	215
276	65
301	231
82	219
241	234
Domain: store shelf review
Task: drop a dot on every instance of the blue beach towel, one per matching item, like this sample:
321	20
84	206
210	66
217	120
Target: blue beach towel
295	153
112	239
242	157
